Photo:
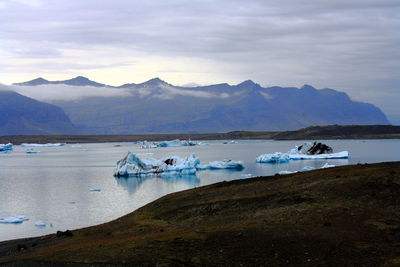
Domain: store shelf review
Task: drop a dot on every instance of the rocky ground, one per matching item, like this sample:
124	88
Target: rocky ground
343	216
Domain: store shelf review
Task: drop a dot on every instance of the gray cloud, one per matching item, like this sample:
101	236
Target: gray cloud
347	45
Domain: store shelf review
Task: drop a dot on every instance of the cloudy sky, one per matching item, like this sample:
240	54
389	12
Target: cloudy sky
352	46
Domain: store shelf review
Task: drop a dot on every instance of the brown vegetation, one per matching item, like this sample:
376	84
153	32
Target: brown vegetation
344	216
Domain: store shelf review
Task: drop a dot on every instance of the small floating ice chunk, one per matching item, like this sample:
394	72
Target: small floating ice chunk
276	157
307	168
40	224
327	165
202	144
95	190
247	175
6	147
339	155
172	143
31	151
226	164
17	219
42	145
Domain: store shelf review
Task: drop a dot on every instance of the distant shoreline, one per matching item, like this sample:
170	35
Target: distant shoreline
314	132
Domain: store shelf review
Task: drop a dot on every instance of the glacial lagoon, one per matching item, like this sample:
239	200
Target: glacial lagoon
72	186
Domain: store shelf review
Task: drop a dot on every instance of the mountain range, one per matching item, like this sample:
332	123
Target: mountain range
21	115
156	106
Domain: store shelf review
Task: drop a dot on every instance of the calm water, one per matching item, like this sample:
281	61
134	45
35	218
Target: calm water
54	186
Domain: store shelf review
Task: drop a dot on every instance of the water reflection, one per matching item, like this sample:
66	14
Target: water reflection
132	184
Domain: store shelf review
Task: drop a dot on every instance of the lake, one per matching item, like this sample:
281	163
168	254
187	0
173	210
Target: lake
54	186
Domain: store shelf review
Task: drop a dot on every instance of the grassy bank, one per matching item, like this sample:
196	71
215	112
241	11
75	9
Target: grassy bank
344	216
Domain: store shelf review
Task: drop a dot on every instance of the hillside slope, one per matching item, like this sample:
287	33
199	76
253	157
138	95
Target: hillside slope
21	115
344	216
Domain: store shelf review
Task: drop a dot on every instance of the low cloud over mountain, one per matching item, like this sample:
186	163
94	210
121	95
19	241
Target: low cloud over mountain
156	106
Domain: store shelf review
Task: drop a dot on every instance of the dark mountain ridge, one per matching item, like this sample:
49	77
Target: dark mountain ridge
21	115
156	106
77	81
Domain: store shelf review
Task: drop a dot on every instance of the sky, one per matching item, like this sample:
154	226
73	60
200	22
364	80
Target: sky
352	46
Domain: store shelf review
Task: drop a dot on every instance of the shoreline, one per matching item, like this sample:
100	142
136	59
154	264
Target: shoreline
334	217
332	132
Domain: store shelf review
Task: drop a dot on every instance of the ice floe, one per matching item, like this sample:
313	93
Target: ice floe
40	224
6	147
339	155
225	164
95	190
131	165
16	219
276	157
306	151
327	165
42	145
176	143
308	168
31	151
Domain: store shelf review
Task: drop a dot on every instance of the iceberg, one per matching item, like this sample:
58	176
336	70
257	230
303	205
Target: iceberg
6	147
307	168
95	190
172	143
42	145
327	165
17	219
176	143
131	165
40	224
225	164
230	142
306	151
31	151
276	157
339	155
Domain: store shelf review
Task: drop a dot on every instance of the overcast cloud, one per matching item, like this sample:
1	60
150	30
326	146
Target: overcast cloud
352	46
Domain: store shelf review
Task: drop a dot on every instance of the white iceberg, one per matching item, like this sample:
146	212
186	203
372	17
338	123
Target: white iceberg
95	190
31	151
131	165
327	165
17	219
306	151
339	155
42	145
225	164
307	168
6	147
176	143
247	175
40	224
276	157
